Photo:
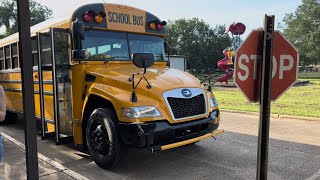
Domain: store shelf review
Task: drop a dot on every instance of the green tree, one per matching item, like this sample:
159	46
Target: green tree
302	28
195	39
8	15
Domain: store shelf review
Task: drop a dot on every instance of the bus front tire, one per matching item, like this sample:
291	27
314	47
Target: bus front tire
103	138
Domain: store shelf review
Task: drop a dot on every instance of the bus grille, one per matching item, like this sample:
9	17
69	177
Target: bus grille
187	107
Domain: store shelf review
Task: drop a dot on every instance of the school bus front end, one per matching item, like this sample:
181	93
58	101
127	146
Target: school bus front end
176	107
101	79
127	105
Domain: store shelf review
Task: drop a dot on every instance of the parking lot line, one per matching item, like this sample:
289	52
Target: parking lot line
315	176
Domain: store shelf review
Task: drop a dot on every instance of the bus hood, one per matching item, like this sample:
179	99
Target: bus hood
161	78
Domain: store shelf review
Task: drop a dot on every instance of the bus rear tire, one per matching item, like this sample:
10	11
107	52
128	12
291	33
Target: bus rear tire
103	138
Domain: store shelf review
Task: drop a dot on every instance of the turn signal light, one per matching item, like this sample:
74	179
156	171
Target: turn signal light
89	15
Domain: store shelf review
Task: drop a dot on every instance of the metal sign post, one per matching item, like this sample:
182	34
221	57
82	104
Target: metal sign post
27	89
266	72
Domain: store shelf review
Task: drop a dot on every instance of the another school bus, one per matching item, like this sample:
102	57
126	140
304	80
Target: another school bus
101	79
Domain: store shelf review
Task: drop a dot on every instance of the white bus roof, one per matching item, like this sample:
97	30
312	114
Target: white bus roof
41	27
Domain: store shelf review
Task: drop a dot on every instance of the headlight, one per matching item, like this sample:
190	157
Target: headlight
140	112
213	102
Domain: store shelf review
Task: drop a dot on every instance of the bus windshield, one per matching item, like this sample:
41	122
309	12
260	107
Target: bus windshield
116	46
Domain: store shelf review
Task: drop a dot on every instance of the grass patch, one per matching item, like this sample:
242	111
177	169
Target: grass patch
309	75
297	101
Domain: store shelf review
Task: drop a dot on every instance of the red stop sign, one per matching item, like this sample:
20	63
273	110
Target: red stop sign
248	65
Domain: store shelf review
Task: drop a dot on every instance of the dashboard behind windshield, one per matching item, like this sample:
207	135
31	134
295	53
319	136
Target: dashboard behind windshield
119	46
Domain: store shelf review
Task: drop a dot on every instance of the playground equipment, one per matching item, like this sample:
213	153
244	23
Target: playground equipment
223	65
236	30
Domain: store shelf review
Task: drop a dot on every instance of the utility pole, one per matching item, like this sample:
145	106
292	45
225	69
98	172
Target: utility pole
27	89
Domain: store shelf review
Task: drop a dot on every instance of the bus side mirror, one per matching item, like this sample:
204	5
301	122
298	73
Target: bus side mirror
77	31
143	60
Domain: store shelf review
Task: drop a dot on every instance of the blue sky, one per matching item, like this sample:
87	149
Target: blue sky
214	12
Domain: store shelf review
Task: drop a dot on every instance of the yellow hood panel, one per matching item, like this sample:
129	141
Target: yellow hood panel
160	77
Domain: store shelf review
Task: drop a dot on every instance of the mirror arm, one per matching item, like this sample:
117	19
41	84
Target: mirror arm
133	94
134	97
141	60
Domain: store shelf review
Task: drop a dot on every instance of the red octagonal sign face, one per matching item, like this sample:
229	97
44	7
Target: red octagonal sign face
248	65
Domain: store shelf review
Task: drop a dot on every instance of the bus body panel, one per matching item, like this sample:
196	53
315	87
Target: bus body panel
11	82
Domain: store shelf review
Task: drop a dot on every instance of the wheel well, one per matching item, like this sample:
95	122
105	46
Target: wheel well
93	103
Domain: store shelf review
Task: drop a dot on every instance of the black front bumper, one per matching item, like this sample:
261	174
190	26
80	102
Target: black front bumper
162	133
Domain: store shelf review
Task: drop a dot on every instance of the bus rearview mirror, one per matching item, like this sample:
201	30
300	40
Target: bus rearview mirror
77	30
143	60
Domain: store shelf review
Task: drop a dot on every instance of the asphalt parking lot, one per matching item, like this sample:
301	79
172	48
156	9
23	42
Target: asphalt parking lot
294	154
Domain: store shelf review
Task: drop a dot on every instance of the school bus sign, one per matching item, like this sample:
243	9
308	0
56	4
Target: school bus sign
124	17
285	63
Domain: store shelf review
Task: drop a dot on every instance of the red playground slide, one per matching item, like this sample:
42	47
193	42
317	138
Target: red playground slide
223	65
236	29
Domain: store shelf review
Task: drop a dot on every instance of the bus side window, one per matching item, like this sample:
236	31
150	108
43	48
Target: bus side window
1	59
14	50
7	57
46	58
61	48
35	55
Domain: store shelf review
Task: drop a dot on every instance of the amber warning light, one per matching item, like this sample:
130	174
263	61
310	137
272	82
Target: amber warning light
91	15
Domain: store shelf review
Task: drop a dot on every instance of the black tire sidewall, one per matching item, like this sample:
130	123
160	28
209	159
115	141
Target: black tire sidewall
106	117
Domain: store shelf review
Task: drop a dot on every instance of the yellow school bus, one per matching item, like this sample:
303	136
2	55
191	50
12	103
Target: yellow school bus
101	80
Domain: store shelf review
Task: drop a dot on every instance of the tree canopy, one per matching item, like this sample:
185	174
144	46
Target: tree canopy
195	39
302	28
8	15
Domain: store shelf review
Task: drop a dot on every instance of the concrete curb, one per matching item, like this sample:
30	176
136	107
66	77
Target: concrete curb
277	116
47	160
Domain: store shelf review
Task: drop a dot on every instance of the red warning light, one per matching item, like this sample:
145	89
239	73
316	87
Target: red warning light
159	27
89	15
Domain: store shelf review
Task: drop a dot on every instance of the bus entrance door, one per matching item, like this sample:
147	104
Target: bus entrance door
54	85
45	84
61	85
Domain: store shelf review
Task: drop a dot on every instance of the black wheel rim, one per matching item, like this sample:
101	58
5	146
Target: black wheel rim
99	139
